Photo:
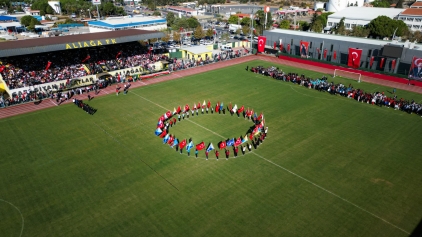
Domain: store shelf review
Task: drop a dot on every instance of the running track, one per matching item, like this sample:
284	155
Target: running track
48	103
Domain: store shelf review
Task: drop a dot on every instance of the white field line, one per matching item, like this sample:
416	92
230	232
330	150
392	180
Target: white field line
298	176
23	221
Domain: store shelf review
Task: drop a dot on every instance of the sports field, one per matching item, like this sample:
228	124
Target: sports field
330	166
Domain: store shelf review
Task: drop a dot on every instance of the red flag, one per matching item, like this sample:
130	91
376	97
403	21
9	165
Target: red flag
240	110
217	107
222	145
162	118
86	59
261	43
178	110
354	57
118	54
371	61
288	48
168	114
48	65
209	104
163	134
171	139
251	136
260	117
199	105
186	107
275	45
182	144
393	64
382	62
325	53
2	68
281	47
335	54
150	49
200	146
238	142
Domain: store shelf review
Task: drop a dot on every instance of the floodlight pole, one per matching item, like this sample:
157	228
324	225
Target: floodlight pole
98	13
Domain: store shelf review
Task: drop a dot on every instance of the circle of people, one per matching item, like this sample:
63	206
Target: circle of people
253	138
322	84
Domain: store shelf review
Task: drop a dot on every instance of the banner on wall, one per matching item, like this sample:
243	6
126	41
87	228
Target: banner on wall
325	53
335	55
371	61
415	71
354	57
261	43
288	48
304	47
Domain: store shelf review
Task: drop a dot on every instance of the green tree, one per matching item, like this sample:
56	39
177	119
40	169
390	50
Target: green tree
49	10
176	36
225	36
384	26
198	33
193	22
26	20
381	3
303	25
156	13
233	19
33	23
341	28
317	26
399	4
285	24
359	31
246	30
246	21
170	18
165	38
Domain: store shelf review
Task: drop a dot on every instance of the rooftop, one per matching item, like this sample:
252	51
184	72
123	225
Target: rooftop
416	4
366	13
116	23
198	49
305	34
181	9
412	12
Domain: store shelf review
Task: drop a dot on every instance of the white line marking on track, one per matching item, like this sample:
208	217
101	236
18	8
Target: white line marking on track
143	83
298	176
23	220
53	102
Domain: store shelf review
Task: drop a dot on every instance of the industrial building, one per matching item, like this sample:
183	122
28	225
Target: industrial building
121	23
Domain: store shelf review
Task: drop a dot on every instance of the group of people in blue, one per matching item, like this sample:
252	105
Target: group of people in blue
239	145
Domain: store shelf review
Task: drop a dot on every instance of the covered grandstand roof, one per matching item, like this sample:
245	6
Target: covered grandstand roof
8	18
42	45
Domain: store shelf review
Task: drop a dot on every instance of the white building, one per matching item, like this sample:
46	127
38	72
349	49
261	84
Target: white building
412	17
338	5
360	16
121	23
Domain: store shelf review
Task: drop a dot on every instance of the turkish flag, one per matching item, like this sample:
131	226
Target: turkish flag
275	45
209	104
238	142
382	62
354	57
325	53
200	146
186	107
217	107
168	114
393	64
288	48
240	110
335	54
222	145
199	105
281	47
182	144
261	43
178	110
162	118
48	65
371	61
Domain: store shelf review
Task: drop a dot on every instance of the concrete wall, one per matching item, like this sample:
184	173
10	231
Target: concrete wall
342	50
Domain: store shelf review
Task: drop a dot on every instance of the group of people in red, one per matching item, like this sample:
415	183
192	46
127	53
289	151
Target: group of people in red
253	138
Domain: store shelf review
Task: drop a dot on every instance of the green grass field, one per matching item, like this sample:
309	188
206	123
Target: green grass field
330	166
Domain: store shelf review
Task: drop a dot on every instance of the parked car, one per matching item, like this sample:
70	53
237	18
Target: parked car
226	48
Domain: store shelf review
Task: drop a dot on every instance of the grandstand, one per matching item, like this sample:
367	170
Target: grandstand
56	63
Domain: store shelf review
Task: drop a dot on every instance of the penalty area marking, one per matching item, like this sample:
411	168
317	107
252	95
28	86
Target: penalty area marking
23	221
302	178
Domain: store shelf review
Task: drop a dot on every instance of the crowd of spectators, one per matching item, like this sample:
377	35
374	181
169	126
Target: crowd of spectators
378	98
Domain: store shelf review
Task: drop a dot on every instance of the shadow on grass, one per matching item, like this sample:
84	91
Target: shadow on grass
417	232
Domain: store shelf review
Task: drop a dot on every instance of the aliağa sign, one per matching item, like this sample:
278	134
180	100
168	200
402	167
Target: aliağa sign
91	43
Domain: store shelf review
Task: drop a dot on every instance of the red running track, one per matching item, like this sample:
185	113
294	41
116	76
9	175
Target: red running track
48	103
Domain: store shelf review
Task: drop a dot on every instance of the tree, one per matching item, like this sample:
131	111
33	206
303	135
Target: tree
317	26
233	19
285	24
399	4
303	25
246	21
193	22
359	31
210	32
170	18
176	36
340	29
246	29
384	26
415	36
26	20
198	33
156	13
165	38
33	23
381	3
49	10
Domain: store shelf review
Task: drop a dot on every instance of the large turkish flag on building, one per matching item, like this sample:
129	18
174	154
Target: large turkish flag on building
354	57
261	43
